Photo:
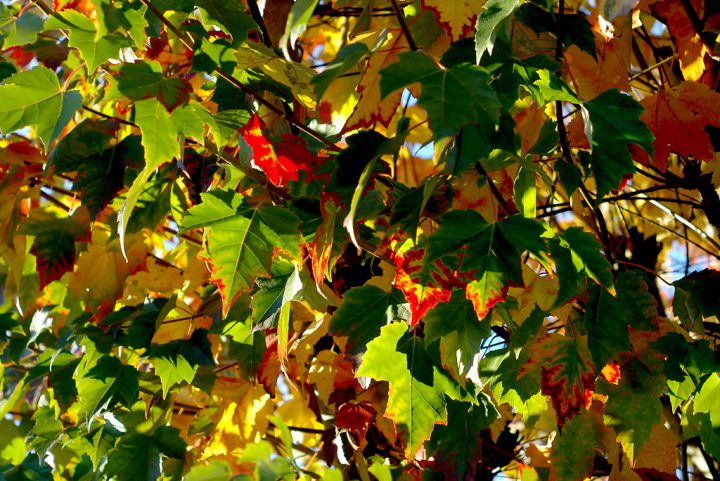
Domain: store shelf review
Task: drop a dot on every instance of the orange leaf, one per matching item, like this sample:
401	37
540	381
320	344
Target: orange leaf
528	123
678	116
690	47
592	78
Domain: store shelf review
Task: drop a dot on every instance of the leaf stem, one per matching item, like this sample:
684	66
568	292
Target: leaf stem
403	25
652	67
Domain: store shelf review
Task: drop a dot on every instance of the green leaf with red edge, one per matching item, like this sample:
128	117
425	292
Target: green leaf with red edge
415	403
577	256
54	243
490	256
633	405
460	332
330	239
363	312
280	163
424	284
458	446
242	240
567	372
573	452
145	80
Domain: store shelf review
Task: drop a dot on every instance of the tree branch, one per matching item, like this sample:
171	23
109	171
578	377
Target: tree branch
403	25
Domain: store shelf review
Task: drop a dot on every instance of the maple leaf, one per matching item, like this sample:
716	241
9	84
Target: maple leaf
34	97
355	417
678	117
145	80
282	163
459	444
691	48
595	76
330	239
491	258
573	452
362	314
456	17
567	372
415	403
54	244
370	108
242	240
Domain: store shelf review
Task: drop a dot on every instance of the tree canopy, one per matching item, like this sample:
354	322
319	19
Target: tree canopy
359	240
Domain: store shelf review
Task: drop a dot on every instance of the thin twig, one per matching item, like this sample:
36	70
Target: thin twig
501	200
403	25
255	13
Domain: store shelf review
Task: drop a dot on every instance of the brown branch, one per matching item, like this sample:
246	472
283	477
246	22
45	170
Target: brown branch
403	25
501	200
255	13
110	117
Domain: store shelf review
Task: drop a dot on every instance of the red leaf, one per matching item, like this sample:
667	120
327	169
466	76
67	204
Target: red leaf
355	416
283	165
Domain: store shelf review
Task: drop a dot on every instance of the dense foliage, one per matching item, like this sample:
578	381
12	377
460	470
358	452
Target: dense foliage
359	239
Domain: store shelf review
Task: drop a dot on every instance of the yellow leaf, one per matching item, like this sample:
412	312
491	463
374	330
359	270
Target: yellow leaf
456	17
296	413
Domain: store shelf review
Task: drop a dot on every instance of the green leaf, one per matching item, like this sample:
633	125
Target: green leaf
491	252
615	119
696	298
490	22
460	332
363	312
229	15
269	300
425	30
83	37
300	13
45	435
458	446
102	386
577	256
524	193
214	471
59	367
242	240
138	457
606	326
552	88
347	58
576	29
450	96
34	97
20	30
99	442
573	452
31	469
207	56
124	16
145	80
699	424
707	400
415	403
179	360
570	175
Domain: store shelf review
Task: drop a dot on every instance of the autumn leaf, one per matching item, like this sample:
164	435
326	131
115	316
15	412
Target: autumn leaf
678	117
457	17
281	164
568	374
